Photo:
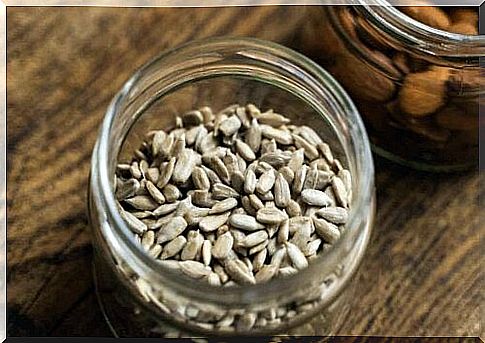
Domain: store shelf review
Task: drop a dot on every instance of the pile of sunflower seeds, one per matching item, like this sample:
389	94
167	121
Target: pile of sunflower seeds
237	197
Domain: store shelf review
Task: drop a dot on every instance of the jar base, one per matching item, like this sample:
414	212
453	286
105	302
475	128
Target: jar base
421	166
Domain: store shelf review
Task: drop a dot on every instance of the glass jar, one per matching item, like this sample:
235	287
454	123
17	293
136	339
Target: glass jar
141	297
417	88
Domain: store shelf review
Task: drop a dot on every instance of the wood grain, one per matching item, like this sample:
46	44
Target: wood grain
421	275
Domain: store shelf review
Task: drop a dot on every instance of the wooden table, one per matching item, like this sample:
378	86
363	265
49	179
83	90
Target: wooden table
421	275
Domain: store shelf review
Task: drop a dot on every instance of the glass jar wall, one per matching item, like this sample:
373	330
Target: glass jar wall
142	298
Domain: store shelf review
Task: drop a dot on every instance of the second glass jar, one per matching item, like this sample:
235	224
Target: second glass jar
418	89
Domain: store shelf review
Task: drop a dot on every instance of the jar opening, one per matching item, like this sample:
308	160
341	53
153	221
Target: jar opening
194	64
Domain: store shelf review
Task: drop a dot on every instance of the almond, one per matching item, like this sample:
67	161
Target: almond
429	15
424	93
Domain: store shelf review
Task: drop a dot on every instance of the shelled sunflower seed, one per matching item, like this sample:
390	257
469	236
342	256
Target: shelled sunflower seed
235	197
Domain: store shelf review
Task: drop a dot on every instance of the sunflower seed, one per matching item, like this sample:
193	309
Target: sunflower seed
203	198
250	181
142	202
326	152
223	206
293	209
136	225
219	270
171	230
296	256
205	141
221	191
275	159
327	231
166	147
270	216
191	135
213	222
311	179
194	269
245	222
255	238
245	150
284	231
266	273
173	247
220	168
315	197
268	146
323	179
237	181
171	193
312	247
336	215
287	173
280	136
299	180
184	166
248	207
321	164
310	135
273	119
339	191
281	191
153	174
148	239
256	202
266	181
310	151
259	259
127	189
158	141
200	179
193	246
207	252
278	256
346	178
230	125
223	245
166	171
254	135
178	146
213	279
143	164
296	160
238	273
258	248
155	192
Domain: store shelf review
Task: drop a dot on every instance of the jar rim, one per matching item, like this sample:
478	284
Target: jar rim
419	36
363	195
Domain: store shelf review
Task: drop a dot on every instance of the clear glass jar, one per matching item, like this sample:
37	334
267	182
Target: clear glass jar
417	88
143	298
